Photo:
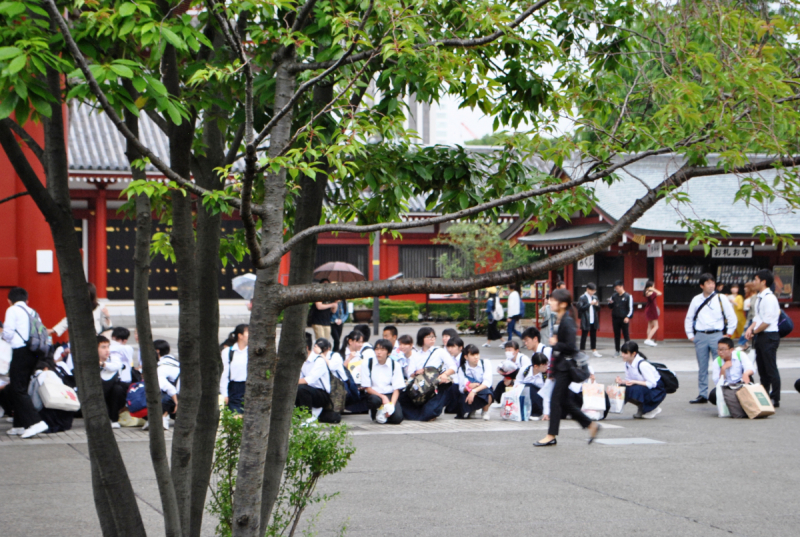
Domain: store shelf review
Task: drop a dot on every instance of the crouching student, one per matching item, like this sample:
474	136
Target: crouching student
56	420
110	367
314	388
383	379
737	368
169	372
644	387
454	347
510	368
474	384
404	353
233	381
429	356
533	376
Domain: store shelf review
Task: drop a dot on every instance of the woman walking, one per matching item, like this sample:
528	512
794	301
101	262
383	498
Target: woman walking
234	368
493	334
564	349
651	312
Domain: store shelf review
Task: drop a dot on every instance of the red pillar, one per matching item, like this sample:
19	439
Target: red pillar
283	271
659	281
100	242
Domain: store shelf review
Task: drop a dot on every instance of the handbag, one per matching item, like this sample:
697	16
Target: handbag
579	367
616	398
594	400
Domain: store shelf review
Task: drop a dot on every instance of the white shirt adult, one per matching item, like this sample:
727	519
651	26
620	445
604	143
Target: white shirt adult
713	317
234	367
513	304
480	373
385	378
17	324
642	370
740	363
124	355
768	311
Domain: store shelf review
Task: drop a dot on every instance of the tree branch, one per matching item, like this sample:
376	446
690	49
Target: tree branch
310	83
27	138
80	60
452	42
14	196
302	15
313	293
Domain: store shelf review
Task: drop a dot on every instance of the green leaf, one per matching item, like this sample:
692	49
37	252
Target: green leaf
9	52
127	9
139	83
174	114
173	38
7	105
41	106
12	9
17	64
121	70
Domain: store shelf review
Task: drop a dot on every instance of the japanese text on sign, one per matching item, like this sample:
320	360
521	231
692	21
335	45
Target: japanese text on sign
732	252
587	263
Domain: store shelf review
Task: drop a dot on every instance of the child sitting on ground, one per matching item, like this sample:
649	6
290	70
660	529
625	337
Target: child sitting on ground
737	368
474	384
644	387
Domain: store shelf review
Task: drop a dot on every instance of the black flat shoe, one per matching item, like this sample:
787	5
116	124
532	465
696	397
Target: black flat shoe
776	404
552	442
596	432
699	401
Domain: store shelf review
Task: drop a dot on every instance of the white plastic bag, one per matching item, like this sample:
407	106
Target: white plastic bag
515	405
59	396
616	398
5	357
594	400
722	408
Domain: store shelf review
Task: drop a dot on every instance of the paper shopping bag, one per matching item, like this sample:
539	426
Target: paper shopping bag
594	400
616	398
755	401
722	407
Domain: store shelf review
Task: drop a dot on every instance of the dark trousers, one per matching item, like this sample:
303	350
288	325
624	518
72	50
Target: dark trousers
734	406
23	364
114	393
500	389
537	404
511	327
766	346
236	396
167	405
592	333
561	403
620	327
481	399
374	403
336	335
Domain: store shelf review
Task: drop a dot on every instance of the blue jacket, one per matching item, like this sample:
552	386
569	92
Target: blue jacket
341	313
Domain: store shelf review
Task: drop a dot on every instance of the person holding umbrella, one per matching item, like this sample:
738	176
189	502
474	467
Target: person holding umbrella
321	313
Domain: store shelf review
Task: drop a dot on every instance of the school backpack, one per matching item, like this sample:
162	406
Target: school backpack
667	376
338	391
136	400
785	325
37	336
421	388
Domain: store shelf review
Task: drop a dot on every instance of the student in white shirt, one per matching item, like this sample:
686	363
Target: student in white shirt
764	333
533	375
390	333
383	380
429	356
532	339
404	353
710	317
454	347
448	333
474	384
509	369
514	305
644	387
16	332
112	368
234	368
314	389
169	372
736	368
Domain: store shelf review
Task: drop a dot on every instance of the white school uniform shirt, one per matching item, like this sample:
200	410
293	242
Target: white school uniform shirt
124	355
384	378
66	365
318	376
710	317
649	373
481	373
513	304
234	368
112	366
169	369
767	310
531	378
740	362
17	324
337	365
435	357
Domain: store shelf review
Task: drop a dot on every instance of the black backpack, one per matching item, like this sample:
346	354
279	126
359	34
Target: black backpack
667	376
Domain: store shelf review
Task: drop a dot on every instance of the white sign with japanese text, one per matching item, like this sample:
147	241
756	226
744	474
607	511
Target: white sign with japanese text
587	263
732	252
655	249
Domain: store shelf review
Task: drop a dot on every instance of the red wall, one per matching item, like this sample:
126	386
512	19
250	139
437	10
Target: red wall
30	233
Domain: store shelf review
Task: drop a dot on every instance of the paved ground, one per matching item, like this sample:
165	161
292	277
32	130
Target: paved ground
697	475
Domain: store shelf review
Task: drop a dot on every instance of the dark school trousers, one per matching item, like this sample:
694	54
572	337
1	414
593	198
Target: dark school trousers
336	336
766	346
592	333
374	403
23	364
236	391
620	328
115	392
561	402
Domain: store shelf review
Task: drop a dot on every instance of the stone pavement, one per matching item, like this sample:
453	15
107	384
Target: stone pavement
684	473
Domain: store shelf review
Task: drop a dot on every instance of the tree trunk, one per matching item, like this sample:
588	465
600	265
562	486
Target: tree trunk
292	350
141	279
208	236
263	318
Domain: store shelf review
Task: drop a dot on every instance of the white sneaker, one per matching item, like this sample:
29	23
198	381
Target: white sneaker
165	420
146	425
597	354
652	414
35	429
485	345
310	422
10	420
15	431
486	416
650	343
115	425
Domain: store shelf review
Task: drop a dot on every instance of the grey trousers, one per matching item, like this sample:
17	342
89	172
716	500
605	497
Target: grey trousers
705	344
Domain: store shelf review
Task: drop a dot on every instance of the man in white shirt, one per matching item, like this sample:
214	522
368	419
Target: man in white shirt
736	367
16	332
514	311
169	372
710	318
383	379
764	332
